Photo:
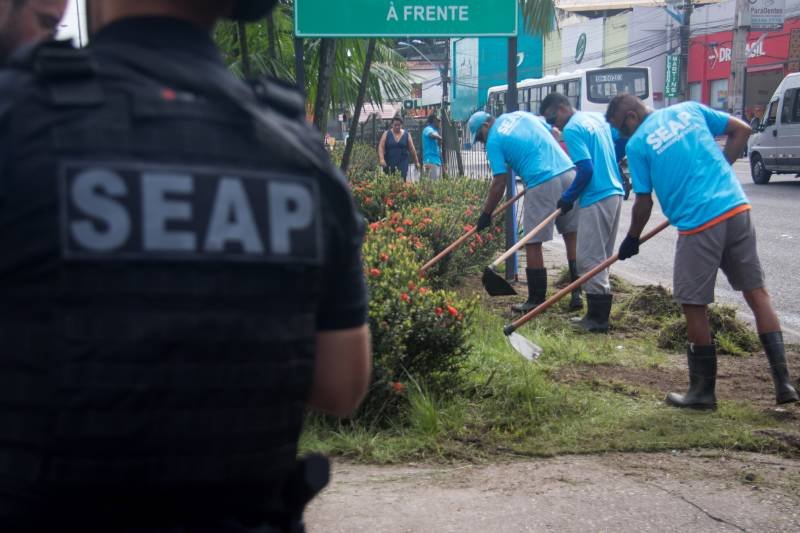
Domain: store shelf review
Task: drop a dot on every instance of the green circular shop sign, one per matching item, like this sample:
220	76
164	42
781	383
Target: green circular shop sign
580	49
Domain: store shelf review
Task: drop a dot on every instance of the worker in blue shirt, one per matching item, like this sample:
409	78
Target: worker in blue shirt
523	142
598	190
431	147
673	152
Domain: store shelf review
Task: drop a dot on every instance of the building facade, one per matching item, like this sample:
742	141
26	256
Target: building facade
480	63
770	56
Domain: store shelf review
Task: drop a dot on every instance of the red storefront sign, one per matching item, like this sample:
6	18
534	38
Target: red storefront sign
710	55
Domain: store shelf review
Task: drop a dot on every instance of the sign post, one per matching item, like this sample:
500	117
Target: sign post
672	85
401	18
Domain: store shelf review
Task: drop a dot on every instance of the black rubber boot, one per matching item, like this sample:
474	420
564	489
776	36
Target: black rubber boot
537	290
575	302
702	380
598	309
773	345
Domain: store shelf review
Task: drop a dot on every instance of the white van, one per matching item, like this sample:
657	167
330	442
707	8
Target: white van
775	145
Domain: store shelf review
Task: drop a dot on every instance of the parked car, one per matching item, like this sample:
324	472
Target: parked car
774	148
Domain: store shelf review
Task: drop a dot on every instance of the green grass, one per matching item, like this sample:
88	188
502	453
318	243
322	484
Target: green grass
512	406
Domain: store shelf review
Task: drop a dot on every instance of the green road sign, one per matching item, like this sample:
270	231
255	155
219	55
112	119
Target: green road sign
402	18
673	78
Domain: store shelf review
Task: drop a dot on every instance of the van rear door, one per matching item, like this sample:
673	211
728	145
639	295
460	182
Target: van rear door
788	145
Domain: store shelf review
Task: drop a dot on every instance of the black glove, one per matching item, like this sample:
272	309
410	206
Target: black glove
628	248
484	221
626	186
564	205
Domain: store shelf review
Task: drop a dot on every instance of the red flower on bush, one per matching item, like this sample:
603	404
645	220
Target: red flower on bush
452	310
400	229
384	257
374	272
411	286
423	290
374	226
405	297
408	222
389	202
398	387
438	311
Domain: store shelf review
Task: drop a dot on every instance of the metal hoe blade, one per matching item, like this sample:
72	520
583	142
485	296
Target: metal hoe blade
495	285
526	348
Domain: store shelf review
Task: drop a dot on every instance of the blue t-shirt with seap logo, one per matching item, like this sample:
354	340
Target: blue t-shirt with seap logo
588	136
523	141
674	153
430	147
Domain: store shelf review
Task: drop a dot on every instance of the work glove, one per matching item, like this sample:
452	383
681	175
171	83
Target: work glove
484	221
628	248
564	205
626	186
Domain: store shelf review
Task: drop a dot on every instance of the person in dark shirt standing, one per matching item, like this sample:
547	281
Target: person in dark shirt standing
396	149
181	279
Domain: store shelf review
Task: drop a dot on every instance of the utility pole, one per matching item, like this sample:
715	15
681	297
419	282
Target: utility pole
736	83
684	35
445	116
511	186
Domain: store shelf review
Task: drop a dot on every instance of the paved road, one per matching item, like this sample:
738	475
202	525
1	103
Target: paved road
776	213
680	491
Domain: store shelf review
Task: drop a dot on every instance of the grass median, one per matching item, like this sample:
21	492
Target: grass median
585	394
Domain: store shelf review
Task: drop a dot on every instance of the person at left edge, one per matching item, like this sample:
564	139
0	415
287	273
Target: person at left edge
598	190
181	279
24	22
431	147
523	142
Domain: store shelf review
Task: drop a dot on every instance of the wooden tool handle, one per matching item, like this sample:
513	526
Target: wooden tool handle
458	242
577	283
524	240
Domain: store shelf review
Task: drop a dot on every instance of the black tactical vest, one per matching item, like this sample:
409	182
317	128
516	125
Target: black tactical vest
162	249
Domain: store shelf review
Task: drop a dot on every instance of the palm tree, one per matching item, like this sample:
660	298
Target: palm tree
271	52
538	16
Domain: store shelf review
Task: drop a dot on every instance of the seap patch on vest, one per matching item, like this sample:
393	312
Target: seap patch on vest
147	212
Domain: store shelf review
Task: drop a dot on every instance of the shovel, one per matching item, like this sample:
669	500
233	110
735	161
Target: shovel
493	282
528	349
458	242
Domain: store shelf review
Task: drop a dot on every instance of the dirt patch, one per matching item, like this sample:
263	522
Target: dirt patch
738	378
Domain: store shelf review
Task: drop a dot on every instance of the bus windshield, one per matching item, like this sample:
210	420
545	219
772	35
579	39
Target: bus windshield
606	84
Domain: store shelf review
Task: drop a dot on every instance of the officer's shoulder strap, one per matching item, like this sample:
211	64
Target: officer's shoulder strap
217	81
277	112
69	73
285	98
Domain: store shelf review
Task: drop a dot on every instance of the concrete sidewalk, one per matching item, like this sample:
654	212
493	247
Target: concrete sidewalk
687	491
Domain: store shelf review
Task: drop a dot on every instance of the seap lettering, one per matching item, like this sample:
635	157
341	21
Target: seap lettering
112	212
671	132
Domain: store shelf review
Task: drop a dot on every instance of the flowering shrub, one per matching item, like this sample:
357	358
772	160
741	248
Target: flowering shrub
432	214
416	330
419	327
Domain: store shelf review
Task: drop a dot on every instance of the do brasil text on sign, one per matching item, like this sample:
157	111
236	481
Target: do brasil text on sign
401	18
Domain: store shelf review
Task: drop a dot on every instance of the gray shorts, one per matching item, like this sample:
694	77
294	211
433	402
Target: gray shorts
540	202
729	245
433	171
597	234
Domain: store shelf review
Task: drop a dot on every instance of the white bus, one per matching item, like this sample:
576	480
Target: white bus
588	90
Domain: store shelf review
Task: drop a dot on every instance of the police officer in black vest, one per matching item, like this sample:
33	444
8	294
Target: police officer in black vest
180	278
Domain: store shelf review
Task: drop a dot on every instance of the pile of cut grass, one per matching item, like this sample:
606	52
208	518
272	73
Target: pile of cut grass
731	335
